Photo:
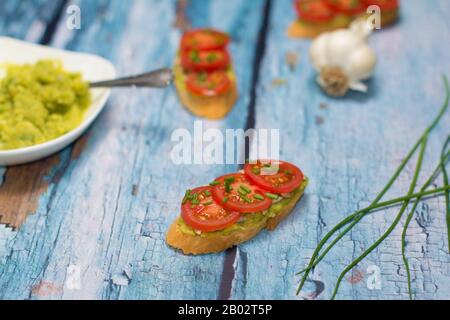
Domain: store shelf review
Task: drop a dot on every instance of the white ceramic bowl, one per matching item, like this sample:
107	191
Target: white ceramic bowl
93	68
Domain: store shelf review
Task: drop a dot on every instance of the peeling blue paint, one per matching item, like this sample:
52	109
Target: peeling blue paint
91	218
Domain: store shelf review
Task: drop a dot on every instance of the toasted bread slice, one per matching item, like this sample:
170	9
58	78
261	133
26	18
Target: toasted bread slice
389	17
299	29
206	107
218	241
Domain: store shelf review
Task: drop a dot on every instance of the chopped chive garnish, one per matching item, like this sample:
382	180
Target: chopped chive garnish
225	200
208	203
228	188
272	196
207	193
229	180
214	183
242	192
211	57
187	196
258	197
246	199
245	188
194	55
195	202
256	170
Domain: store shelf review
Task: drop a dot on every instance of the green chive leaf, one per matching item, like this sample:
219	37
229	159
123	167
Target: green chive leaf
272	196
258	196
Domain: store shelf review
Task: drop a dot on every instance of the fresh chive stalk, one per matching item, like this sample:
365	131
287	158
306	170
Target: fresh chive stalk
409	218
393	225
447	193
378	207
356	217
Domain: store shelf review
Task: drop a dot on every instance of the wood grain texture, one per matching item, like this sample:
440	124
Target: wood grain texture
98	231
20	188
108	213
349	148
21	191
20	196
27	19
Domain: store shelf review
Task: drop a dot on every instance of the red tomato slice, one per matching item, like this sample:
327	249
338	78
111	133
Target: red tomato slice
207	61
383	4
235	192
204	39
347	7
286	179
314	11
208	84
201	212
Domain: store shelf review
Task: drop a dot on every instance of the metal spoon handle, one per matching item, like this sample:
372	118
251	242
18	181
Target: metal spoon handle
155	79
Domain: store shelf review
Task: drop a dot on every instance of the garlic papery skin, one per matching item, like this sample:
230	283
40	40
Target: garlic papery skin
343	59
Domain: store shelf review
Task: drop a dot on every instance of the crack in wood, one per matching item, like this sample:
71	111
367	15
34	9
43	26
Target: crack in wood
228	274
21	191
53	24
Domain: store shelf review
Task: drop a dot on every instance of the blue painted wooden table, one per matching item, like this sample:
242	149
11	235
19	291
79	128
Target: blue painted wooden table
93	218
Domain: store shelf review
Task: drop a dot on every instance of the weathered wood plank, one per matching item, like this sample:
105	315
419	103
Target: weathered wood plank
107	214
349	148
27	19
112	196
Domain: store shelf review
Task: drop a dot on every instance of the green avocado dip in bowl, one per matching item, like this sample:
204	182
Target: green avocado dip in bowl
45	99
40	102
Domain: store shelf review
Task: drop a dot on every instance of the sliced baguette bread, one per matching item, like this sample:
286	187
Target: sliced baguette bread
206	107
204	243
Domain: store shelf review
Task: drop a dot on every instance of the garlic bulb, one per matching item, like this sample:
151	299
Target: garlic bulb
343	59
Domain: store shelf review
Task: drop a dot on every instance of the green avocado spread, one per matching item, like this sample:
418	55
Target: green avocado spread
39	102
248	220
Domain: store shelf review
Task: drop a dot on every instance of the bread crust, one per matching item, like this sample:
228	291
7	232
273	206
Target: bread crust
212	108
389	17
303	30
218	242
208	107
296	30
273	223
